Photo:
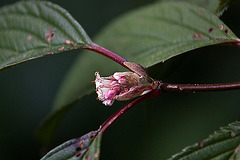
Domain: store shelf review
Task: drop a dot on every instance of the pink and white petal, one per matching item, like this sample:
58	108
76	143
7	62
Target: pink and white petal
119	75
131	93
110	94
108	102
146	92
101	93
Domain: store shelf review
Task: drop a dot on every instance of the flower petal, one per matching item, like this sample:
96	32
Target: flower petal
108	102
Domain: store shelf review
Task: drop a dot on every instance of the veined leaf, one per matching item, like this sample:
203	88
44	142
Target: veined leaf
82	86
236	154
31	29
223	144
85	147
146	36
161	31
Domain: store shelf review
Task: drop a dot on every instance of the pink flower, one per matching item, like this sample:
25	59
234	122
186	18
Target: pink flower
121	86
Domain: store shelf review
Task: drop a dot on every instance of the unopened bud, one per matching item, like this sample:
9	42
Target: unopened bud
122	86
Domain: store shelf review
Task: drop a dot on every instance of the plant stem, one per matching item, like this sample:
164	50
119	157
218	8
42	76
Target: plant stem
125	108
165	87
233	44
162	88
107	53
119	113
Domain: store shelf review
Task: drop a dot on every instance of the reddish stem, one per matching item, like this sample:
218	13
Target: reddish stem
162	88
107	53
124	109
165	87
232	43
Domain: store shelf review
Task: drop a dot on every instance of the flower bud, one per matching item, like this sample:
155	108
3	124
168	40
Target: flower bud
122	86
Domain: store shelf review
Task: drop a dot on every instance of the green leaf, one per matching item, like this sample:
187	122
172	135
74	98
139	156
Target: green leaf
45	132
220	145
215	6
76	86
236	154
158	32
85	147
146	36
93	151
31	29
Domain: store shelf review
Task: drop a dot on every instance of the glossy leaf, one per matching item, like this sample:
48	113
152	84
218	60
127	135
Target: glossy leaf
146	36
236	154
31	29
161	31
85	147
75	86
220	145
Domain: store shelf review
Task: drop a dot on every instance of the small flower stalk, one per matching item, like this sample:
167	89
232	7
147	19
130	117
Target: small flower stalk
122	86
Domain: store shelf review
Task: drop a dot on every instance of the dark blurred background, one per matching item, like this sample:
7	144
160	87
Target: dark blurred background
155	129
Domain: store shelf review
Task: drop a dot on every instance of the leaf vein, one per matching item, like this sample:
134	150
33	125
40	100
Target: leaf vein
41	18
200	149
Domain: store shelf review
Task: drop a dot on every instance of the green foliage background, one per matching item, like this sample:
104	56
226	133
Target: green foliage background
155	129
